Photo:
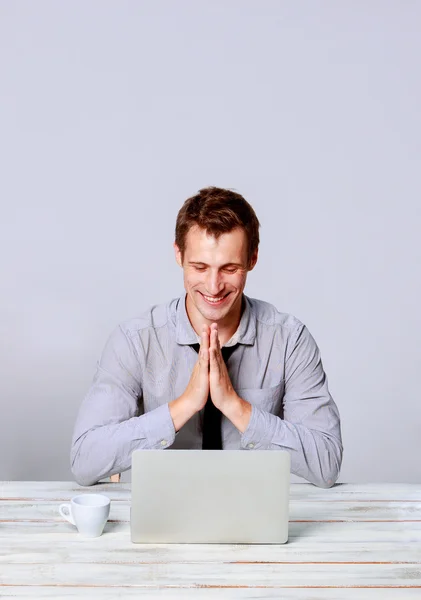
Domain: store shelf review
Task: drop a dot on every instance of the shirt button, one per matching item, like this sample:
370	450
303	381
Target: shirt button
251	445
164	442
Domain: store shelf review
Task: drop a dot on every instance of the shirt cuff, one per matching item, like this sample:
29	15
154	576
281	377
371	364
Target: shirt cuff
159	428
260	430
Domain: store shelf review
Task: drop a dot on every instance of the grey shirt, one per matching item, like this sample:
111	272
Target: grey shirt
148	361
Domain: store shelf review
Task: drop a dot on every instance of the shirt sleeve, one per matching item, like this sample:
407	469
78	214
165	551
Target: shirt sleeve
108	427
310	429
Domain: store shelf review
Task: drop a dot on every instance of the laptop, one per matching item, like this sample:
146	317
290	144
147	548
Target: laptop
210	496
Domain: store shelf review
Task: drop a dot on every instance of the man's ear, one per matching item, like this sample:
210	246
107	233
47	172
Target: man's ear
177	255
253	260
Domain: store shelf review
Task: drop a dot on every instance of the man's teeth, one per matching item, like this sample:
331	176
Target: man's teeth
213	299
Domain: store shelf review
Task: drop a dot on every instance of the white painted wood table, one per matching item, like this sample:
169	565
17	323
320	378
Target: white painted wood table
351	541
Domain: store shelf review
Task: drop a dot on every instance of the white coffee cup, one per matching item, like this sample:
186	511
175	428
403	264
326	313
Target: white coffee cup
88	512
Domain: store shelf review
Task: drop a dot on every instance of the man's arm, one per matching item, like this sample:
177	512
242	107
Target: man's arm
310	429
108	429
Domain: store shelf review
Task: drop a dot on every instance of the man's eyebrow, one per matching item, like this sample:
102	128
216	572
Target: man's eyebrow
230	264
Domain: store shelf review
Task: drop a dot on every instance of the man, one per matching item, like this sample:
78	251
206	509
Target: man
255	382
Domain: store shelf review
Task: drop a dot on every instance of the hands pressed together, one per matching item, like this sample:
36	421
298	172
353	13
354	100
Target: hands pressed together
210	376
210	373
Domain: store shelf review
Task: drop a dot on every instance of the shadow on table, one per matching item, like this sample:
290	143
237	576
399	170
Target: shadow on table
116	527
297	531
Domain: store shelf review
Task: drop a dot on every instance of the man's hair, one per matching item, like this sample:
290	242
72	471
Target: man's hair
218	211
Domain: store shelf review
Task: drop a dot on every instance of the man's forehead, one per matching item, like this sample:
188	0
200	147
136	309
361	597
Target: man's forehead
198	237
202	247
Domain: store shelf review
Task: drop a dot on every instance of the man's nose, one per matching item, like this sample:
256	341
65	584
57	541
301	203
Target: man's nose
214	283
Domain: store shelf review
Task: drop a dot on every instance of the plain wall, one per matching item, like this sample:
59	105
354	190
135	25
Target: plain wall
113	113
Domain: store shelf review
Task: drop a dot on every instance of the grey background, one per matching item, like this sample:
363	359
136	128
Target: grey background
112	113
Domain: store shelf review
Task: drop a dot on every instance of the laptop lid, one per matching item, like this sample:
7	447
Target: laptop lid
210	496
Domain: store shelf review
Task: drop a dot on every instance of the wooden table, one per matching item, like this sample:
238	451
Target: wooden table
351	541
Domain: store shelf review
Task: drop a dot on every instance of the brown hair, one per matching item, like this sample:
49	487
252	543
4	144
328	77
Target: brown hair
218	211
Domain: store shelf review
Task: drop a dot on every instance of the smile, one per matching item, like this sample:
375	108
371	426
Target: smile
215	301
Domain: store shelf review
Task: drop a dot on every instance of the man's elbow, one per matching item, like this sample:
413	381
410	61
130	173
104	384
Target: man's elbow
82	478
329	475
81	472
325	478
327	482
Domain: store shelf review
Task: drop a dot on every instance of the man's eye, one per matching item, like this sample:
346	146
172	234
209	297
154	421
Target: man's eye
226	270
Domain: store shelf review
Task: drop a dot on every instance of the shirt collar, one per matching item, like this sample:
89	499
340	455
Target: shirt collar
186	335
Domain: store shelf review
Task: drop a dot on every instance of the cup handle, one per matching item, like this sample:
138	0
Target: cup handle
66	512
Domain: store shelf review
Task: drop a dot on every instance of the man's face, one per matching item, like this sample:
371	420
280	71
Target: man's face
215	273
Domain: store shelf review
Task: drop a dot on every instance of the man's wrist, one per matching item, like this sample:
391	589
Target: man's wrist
238	411
181	410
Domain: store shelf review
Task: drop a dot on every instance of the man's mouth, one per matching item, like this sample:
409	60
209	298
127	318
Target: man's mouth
215	300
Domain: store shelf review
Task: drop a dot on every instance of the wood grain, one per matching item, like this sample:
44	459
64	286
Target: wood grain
351	541
88	593
61	491
150	575
311	511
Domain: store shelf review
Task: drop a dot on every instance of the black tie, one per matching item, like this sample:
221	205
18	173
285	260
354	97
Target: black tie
212	435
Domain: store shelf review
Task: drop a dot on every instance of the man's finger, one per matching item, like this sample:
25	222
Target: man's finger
212	344
204	345
212	347
218	345
214	362
214	337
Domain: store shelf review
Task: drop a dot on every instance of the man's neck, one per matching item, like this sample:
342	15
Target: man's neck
226	328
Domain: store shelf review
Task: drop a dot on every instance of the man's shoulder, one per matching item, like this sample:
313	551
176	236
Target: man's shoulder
155	317
267	314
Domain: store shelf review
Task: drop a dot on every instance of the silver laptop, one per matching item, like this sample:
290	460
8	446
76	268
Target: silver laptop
210	496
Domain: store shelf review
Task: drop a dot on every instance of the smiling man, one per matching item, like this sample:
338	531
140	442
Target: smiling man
213	369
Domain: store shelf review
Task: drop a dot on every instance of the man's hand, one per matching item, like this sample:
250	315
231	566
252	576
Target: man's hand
196	393
223	395
197	390
221	390
210	375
